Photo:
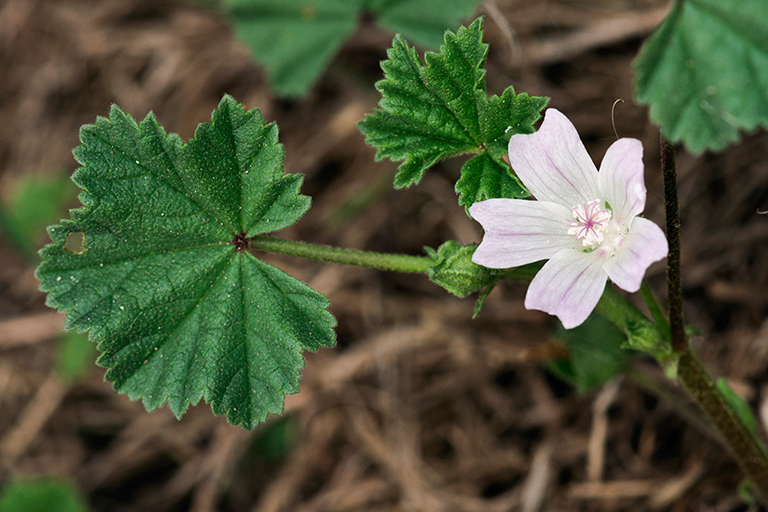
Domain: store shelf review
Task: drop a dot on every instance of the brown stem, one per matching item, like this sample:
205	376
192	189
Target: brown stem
679	338
744	445
690	373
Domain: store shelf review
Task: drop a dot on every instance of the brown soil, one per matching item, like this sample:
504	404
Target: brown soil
419	408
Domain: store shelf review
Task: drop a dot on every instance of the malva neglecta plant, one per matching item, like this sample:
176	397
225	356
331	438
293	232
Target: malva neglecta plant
167	283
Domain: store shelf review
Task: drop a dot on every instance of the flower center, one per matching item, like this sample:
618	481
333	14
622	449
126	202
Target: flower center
589	224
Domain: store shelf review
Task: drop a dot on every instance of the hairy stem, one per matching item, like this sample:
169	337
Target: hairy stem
742	442
691	374
674	280
342	256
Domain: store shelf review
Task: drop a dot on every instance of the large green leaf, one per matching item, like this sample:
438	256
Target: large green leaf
440	109
295	39
163	282
704	72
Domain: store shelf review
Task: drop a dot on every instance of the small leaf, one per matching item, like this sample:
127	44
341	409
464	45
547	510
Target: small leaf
704	72
482	177
414	123
432	111
596	353
180	310
505	115
454	270
41	495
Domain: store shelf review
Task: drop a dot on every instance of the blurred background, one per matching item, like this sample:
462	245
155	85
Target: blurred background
420	407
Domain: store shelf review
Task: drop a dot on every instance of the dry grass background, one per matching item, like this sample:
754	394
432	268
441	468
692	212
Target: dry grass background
419	408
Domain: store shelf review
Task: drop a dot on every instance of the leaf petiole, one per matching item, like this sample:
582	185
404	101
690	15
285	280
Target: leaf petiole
342	256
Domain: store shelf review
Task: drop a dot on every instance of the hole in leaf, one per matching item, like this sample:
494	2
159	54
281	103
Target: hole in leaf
75	242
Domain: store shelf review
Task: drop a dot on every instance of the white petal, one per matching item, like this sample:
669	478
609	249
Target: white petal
644	245
568	286
621	179
553	163
518	231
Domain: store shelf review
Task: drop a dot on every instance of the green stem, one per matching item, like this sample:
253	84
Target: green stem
342	256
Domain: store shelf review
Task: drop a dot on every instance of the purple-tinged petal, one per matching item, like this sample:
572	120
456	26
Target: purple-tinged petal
621	179
644	245
568	286
553	163
518	231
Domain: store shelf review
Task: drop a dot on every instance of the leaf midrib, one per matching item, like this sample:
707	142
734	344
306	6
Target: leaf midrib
414	60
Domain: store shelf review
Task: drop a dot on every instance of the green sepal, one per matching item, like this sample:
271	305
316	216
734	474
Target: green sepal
454	270
480	302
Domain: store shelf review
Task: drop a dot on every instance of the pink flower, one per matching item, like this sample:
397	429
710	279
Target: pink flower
584	222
